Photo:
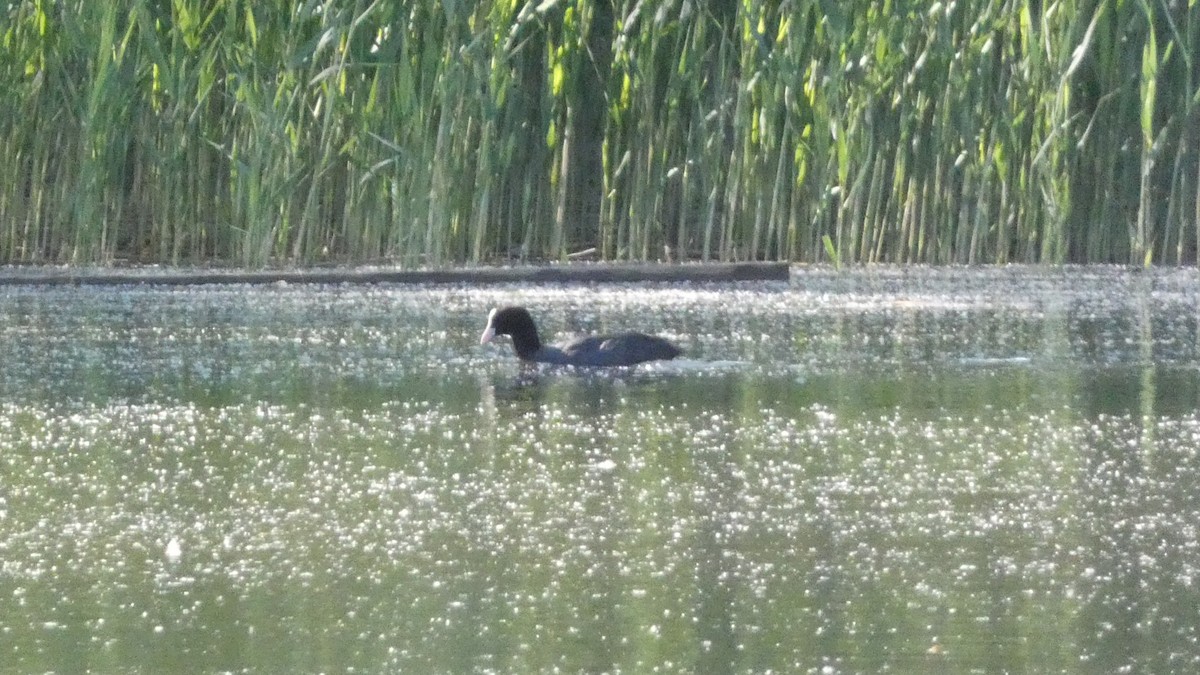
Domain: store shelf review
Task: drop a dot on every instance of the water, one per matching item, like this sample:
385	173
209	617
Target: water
888	470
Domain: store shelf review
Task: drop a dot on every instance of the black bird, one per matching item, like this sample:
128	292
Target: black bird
622	349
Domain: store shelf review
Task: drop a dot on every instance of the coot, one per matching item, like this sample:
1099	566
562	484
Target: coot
623	349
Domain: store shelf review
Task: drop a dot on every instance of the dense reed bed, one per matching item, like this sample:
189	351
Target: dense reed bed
432	132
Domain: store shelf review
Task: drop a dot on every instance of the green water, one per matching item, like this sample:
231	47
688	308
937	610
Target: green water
887	470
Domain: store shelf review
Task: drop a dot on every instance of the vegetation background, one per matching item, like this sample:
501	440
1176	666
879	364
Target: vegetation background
430	132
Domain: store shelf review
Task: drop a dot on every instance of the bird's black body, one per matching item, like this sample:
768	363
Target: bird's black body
622	349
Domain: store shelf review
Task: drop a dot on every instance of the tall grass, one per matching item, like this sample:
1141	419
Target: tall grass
432	132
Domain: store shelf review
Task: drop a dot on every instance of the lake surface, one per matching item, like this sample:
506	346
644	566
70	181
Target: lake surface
930	470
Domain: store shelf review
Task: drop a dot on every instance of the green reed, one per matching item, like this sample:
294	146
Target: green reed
444	132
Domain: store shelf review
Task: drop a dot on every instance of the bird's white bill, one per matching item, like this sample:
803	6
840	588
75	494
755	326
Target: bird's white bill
489	333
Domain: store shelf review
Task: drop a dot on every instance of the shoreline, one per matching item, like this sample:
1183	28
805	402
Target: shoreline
569	273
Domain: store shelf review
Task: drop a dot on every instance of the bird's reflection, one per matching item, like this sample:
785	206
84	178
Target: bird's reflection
593	389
